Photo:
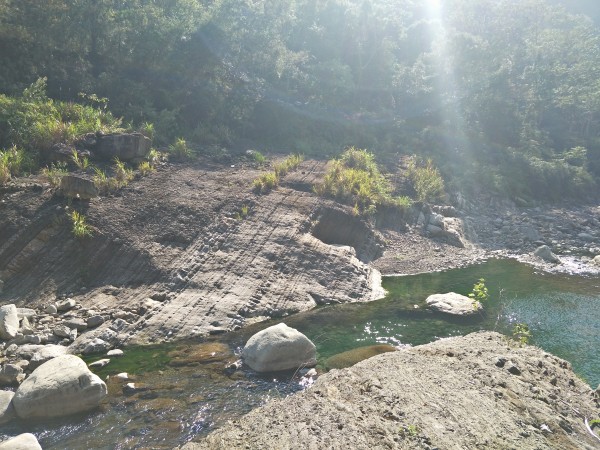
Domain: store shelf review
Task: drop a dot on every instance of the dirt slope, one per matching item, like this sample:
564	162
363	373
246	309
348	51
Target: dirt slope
477	391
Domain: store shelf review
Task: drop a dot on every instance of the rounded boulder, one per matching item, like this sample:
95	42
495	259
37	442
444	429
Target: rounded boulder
279	348
60	387
453	303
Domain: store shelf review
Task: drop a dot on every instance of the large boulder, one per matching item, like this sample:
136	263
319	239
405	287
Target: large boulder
62	386
453	303
75	186
125	146
7	411
546	254
25	441
9	322
596	260
279	348
45	354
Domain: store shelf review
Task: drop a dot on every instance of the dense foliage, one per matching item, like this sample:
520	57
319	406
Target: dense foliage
501	94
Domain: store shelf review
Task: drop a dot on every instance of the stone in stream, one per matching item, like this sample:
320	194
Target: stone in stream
279	348
453	303
9	322
60	387
596	260
7	411
25	441
115	352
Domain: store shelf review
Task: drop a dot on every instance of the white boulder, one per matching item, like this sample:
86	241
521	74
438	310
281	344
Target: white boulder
9	322
453	303
7	411
25	441
45	354
279	348
62	386
596	260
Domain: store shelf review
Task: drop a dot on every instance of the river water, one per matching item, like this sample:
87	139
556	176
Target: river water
187	393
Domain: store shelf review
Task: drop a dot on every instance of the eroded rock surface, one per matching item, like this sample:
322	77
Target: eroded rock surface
477	391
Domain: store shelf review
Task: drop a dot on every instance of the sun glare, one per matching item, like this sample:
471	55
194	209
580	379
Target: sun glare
434	5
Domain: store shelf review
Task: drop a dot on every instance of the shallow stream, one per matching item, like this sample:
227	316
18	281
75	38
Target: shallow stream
187	392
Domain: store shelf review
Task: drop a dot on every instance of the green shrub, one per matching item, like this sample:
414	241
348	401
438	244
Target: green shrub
79	228
521	333
13	162
123	174
290	163
266	182
480	292
104	183
55	172
180	151
81	163
154	157
146	168
147	129
426	180
258	157
270	180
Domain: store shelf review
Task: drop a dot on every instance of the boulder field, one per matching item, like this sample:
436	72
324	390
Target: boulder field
477	391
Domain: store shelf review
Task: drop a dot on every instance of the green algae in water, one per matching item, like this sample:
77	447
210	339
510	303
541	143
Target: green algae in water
136	360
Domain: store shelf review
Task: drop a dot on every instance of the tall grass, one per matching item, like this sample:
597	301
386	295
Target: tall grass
12	163
79	226
270	180
426	180
355	179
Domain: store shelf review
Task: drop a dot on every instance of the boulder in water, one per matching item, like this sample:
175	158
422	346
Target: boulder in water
279	348
25	441
62	386
7	411
453	303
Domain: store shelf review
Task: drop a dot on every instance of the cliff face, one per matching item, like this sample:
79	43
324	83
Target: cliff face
477	391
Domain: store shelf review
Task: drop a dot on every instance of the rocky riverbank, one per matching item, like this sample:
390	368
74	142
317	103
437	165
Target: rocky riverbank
477	391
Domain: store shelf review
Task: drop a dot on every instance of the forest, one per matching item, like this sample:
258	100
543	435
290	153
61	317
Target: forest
502	95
